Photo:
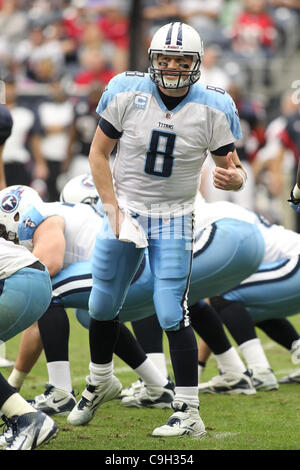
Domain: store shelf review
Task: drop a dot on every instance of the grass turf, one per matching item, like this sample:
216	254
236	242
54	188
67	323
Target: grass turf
264	421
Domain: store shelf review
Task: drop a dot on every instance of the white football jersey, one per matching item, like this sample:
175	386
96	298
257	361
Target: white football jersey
13	258
279	241
82	224
160	152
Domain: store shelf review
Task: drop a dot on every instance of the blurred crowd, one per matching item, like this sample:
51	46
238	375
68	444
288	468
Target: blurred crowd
57	56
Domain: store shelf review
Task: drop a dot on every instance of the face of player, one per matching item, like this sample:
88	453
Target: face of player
171	66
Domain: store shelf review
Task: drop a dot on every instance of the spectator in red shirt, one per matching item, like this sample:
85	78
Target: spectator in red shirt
254	28
254	41
94	68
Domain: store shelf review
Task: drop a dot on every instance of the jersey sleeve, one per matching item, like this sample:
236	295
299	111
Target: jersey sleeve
30	220
112	102
226	127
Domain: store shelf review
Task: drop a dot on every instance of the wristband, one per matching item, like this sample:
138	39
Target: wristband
244	179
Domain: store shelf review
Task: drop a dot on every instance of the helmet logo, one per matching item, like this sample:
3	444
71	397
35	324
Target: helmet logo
9	203
29	223
87	181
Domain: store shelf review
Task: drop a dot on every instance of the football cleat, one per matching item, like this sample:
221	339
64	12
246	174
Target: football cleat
7	434
295	351
230	383
54	401
264	379
185	421
133	389
151	397
31	430
293	378
92	397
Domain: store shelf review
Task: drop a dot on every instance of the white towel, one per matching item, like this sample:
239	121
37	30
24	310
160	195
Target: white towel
131	231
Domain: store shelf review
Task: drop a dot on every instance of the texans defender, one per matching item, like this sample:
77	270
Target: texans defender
164	124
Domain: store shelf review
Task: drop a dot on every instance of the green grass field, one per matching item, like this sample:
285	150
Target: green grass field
264	421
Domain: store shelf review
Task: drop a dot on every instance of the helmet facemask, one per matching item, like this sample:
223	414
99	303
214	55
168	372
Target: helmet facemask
185	78
10	236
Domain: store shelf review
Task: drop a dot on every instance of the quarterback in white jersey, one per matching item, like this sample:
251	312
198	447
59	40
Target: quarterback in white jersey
164	124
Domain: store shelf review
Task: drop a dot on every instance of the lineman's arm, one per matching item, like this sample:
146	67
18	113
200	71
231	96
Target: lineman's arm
49	243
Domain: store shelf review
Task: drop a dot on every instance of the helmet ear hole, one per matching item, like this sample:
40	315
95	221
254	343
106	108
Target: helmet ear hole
17	217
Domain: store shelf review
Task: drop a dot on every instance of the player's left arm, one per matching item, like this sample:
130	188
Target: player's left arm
229	174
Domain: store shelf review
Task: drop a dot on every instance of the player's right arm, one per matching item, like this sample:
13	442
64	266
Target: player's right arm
49	243
99	157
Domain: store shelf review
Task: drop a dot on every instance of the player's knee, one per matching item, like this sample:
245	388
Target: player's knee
168	324
172	320
102	305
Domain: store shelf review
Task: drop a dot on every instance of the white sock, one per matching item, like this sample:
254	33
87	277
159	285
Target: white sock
150	374
188	395
60	375
254	354
159	360
15	405
16	378
230	361
100	373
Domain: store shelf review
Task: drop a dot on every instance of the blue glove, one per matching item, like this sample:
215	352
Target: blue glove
294	203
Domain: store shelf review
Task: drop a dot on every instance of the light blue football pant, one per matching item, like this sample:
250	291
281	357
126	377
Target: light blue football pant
25	297
114	264
272	292
233	251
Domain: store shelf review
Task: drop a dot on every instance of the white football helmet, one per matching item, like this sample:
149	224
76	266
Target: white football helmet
14	200
82	189
176	39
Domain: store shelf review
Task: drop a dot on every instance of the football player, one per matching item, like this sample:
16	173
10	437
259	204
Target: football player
264	300
26	292
164	124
